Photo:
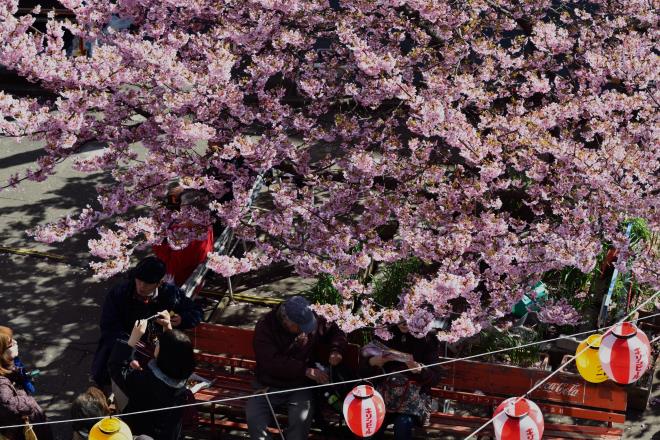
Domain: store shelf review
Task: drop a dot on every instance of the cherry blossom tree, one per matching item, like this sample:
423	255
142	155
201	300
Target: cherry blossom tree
495	140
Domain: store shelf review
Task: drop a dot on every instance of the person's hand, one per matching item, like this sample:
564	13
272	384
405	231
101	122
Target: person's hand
335	358
139	329
377	361
414	366
135	365
175	319
318	376
164	320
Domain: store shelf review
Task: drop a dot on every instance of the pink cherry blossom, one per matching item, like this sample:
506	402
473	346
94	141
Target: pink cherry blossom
492	141
558	312
462	327
227	266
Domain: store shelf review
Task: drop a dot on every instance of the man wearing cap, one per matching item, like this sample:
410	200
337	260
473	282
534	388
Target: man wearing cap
285	341
143	295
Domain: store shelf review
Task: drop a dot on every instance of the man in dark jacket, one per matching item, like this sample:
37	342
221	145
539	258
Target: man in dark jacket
285	341
142	296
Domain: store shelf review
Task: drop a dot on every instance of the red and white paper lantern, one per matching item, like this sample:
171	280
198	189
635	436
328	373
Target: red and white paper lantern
518	418
625	353
364	410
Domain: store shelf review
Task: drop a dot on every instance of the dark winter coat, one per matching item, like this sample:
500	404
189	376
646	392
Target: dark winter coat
120	311
16	404
148	388
283	357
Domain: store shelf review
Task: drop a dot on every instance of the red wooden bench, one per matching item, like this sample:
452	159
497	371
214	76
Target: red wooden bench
226	355
482	384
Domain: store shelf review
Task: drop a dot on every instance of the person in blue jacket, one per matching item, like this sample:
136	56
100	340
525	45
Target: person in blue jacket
143	295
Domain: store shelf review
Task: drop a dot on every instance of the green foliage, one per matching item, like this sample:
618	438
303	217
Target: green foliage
393	279
626	285
580	289
388	284
639	231
494	339
573	285
323	292
361	336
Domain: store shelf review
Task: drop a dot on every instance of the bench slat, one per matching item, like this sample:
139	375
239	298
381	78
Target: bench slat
213	338
582	413
232	424
226	360
506	380
467	424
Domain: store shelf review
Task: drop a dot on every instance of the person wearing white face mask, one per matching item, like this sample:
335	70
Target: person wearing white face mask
23	377
12	351
16	406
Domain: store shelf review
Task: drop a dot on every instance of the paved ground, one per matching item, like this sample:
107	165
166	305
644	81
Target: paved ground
53	305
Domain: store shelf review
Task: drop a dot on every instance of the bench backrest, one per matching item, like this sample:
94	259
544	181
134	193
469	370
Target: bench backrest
232	346
564	393
222	339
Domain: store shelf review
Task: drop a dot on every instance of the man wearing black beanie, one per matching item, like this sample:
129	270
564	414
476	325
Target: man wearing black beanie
143	295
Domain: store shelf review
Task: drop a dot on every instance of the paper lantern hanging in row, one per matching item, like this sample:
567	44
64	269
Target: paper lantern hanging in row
587	360
625	353
518	418
364	410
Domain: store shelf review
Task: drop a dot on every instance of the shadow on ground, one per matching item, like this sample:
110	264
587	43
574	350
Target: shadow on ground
19	216
276	282
54	312
52	305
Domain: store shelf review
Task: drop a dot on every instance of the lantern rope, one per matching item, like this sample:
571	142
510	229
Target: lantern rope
565	364
345	382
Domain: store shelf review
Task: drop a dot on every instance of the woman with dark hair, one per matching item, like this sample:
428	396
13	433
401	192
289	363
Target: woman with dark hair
16	406
91	403
162	383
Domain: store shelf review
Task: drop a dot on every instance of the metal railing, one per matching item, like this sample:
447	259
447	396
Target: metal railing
225	244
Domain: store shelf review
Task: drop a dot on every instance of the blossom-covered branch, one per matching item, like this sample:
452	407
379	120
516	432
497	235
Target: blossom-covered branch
493	140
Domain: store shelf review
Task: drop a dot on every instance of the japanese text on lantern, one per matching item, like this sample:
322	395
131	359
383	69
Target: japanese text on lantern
530	434
369	419
639	364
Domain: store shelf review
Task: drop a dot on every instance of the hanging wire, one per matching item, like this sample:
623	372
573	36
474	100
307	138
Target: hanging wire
561	367
350	381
